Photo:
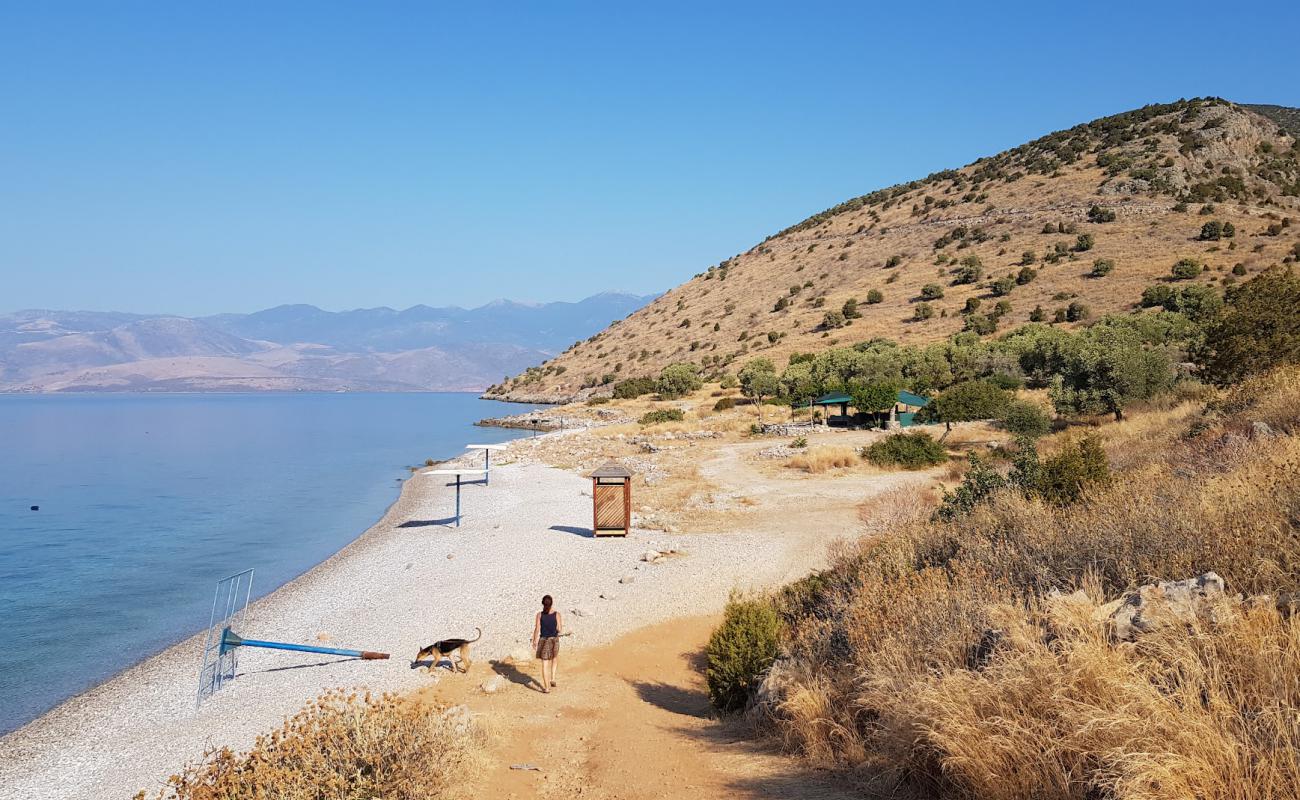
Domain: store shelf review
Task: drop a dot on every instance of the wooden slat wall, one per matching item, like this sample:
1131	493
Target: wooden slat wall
609	506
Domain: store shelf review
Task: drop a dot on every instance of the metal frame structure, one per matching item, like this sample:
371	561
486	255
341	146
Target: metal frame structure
459	483
487	458
228	609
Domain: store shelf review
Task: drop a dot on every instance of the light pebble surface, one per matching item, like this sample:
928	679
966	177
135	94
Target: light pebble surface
407	581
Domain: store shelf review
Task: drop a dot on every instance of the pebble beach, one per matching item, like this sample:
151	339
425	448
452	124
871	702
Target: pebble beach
410	579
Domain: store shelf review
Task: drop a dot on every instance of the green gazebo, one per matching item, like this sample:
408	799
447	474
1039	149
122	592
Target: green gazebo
903	411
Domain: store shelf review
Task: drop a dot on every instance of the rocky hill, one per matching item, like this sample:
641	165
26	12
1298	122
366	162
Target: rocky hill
294	347
1063	229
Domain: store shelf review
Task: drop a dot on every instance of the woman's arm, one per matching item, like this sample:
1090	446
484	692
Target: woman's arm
559	624
537	628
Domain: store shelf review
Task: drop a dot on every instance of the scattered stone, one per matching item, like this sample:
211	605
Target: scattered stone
493	685
1261	430
651	556
628	578
1139	611
607	595
580	612
521	655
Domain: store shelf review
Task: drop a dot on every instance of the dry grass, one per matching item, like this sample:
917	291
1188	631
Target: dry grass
344	747
845	257
820	459
882	674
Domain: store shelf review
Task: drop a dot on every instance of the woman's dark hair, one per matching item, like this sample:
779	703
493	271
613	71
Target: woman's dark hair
546	604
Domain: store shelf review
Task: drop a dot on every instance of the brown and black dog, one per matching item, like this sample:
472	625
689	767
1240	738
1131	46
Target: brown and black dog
444	648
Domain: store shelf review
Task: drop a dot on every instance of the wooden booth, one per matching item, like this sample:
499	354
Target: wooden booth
611	500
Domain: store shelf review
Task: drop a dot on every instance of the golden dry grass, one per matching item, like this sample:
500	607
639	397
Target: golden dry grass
884	679
817	460
845	256
343	746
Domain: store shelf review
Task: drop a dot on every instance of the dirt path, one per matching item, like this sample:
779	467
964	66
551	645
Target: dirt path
629	721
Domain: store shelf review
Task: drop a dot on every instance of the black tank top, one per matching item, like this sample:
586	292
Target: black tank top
550	624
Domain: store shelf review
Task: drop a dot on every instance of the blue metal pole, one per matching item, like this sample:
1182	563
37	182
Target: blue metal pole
231	640
487	466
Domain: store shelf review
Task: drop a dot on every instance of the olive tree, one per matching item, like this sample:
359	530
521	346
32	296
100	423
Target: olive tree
678	380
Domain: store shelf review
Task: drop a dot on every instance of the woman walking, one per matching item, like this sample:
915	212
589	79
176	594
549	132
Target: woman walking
547	629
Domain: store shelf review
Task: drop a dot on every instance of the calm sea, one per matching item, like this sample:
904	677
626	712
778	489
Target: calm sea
146	500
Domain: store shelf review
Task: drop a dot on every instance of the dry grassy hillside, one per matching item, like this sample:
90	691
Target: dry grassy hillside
1162	172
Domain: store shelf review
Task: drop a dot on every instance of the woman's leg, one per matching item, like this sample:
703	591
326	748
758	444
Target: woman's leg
546	674
555	662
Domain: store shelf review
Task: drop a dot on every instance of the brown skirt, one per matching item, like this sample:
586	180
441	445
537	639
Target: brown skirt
548	647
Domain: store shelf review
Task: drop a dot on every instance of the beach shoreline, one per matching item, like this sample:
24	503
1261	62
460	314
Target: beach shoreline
408	579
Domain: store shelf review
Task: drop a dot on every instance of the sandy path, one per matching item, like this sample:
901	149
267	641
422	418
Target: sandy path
630	720
412	579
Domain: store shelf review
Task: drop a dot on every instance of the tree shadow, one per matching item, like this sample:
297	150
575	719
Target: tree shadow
515	675
573	529
674	699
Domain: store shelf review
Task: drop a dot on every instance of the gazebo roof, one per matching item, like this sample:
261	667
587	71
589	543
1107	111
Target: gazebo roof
907	398
833	399
611	469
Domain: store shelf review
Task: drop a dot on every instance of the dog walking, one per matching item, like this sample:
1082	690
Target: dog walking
547	630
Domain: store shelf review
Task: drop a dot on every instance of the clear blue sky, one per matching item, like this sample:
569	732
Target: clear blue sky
193	157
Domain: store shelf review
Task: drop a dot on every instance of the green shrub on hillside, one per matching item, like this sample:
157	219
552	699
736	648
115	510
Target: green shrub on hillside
741	651
678	380
874	296
1100	214
922	311
724	404
1258	328
1102	267
1186	269
662	415
969	400
931	291
634	387
915	450
1026	419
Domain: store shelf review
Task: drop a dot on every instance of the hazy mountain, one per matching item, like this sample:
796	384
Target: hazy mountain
1062	230
294	347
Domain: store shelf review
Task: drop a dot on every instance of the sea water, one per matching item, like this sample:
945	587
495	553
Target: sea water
146	500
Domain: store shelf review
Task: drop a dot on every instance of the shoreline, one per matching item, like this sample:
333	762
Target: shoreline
408	579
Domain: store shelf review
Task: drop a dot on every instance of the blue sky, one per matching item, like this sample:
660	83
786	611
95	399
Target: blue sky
202	157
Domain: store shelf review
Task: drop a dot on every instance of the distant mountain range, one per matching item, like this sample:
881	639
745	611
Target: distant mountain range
295	347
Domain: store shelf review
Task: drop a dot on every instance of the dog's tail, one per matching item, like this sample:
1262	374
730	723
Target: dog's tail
478	634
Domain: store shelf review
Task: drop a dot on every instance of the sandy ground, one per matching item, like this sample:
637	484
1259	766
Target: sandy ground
628	721
413	578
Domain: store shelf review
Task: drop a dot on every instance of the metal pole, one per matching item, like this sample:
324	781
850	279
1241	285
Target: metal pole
457	499
487	466
231	640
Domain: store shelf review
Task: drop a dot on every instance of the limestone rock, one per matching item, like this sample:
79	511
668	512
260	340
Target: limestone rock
1142	610
493	685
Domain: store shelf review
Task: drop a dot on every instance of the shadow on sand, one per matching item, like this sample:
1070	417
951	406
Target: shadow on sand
516	676
427	523
573	529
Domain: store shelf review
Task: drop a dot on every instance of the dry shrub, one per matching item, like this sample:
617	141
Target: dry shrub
342	746
893	669
820	459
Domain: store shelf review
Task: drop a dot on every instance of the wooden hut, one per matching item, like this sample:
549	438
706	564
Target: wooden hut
611	500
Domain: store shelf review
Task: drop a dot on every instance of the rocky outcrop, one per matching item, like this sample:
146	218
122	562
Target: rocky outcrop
1161	603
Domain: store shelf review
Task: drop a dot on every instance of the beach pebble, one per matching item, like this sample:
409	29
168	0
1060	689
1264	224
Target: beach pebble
493	685
628	578
651	555
607	595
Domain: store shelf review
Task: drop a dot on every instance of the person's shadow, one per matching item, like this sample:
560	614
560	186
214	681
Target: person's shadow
516	676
